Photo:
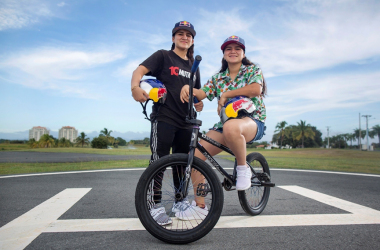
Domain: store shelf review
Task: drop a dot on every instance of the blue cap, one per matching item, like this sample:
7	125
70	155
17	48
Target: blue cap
234	39
184	25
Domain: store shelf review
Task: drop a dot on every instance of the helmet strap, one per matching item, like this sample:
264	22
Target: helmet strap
145	113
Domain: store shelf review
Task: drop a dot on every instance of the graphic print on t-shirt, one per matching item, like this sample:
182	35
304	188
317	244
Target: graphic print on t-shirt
180	72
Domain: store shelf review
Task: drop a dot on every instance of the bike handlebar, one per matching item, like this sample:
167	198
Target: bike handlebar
196	62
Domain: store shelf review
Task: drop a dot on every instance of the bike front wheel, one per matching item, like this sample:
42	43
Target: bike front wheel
254	199
179	221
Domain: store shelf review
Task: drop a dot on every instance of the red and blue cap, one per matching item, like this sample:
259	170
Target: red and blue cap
234	39
184	25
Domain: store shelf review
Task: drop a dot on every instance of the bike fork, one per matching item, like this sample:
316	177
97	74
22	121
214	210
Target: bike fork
193	144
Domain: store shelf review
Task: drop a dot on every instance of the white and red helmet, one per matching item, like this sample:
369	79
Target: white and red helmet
155	89
235	106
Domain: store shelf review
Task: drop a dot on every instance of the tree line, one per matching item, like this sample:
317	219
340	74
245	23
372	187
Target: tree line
342	140
102	141
301	135
304	135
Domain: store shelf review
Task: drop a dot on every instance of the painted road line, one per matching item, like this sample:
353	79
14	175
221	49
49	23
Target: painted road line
44	218
142	169
330	200
95	225
357	215
20	232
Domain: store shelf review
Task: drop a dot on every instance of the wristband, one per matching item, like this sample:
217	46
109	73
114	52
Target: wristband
134	88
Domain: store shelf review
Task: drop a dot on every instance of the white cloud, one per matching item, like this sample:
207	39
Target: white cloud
61	4
21	13
299	36
338	92
59	69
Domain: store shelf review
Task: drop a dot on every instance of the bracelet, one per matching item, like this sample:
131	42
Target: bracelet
134	88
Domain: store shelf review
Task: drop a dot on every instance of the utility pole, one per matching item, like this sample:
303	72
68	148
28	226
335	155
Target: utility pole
366	118
360	135
328	138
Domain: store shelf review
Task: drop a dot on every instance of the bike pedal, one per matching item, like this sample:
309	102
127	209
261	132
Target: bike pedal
268	184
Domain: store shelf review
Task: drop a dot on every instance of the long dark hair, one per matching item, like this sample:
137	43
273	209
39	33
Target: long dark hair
245	61
189	54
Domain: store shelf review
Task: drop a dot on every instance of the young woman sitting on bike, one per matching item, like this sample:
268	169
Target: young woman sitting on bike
237	77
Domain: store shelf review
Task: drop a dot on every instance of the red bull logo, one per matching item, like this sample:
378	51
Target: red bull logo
184	23
234	38
161	93
237	105
232	109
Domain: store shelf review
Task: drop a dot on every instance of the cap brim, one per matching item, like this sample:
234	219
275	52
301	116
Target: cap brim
192	31
229	42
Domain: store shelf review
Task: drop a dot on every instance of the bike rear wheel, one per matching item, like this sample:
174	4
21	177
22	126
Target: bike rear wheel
254	199
158	185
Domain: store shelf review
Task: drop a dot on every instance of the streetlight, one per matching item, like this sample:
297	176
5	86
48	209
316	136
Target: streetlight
328	139
366	116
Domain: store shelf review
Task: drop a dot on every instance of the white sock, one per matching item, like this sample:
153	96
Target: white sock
241	167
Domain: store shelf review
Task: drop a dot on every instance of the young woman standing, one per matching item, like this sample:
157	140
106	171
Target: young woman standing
169	128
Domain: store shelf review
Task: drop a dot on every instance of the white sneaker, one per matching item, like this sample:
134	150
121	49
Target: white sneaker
159	215
243	178
180	206
192	212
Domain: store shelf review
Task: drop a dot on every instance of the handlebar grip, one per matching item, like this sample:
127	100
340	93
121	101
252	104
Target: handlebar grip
195	99
197	60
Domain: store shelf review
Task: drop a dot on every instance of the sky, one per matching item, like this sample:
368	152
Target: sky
69	63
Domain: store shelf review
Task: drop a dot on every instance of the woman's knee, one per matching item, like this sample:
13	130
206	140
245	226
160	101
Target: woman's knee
231	130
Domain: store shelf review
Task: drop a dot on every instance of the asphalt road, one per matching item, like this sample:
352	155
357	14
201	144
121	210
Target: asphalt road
29	157
112	196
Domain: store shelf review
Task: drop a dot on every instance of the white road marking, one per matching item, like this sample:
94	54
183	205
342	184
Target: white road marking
142	169
43	219
20	232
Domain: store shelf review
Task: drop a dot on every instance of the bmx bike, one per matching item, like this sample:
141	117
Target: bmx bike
182	177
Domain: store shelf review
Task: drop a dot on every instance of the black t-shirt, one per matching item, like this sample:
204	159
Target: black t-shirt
174	72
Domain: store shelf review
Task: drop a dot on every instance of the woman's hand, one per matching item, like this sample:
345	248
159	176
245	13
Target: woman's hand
221	103
198	106
184	96
139	95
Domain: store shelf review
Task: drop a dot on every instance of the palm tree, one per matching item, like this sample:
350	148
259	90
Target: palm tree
82	139
302	131
346	137
376	131
280	128
46	141
352	138
106	133
63	142
356	133
33	143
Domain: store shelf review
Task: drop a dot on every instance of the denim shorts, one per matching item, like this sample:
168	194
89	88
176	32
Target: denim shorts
260	130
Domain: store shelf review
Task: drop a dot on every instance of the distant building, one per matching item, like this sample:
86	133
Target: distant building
36	132
69	133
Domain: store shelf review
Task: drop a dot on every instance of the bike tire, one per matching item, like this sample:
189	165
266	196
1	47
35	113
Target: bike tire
254	200
179	231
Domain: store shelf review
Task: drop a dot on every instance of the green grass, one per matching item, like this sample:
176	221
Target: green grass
313	159
323	159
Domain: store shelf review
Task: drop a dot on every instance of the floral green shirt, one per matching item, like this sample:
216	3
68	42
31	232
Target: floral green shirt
248	74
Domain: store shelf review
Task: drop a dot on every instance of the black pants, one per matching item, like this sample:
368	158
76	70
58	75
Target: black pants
163	137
